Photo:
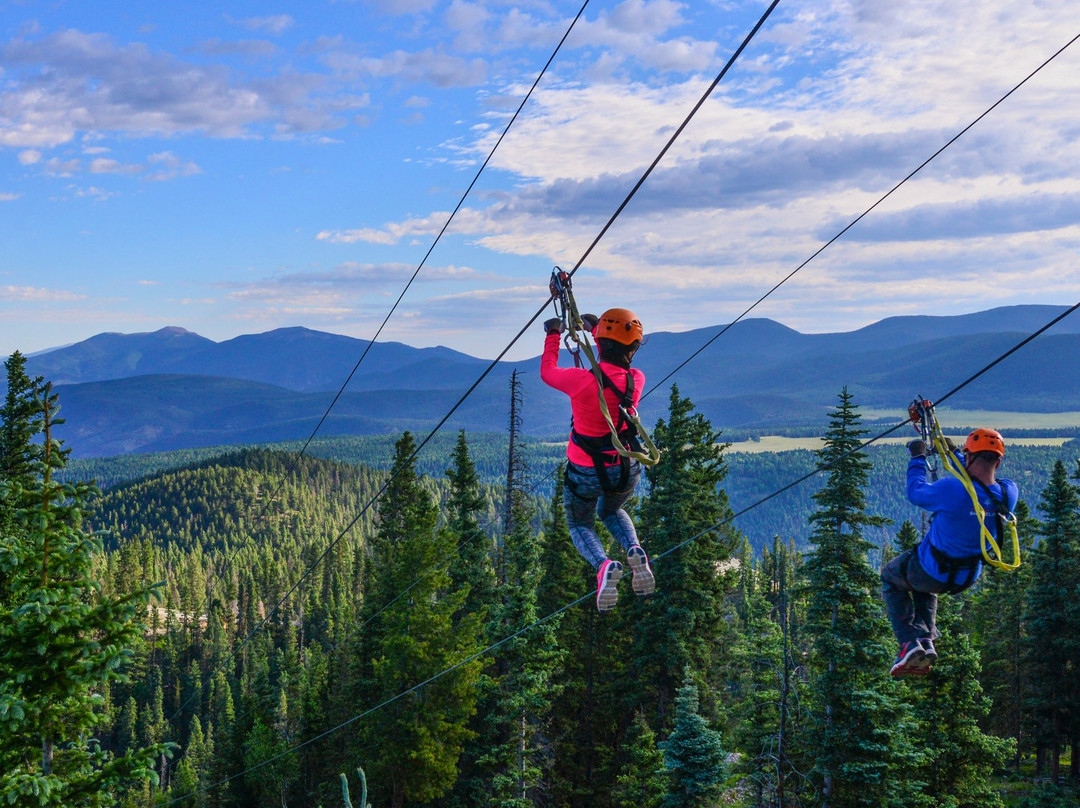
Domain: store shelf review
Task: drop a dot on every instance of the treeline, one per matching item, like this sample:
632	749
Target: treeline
752	476
461	665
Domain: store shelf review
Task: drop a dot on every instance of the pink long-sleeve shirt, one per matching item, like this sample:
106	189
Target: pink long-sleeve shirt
580	385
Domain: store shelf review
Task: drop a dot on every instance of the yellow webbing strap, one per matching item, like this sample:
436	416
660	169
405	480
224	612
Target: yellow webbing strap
651	455
991	551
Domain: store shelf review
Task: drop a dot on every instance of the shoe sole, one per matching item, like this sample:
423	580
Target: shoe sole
608	594
910	665
642	580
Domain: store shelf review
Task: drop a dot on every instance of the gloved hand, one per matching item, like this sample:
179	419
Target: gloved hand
952	446
589	321
553	326
917	448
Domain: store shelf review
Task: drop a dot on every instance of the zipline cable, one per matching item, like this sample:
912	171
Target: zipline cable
296	458
866	212
674	136
439	236
761	299
722	523
488	369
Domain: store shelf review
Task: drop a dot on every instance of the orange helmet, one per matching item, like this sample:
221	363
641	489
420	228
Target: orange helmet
621	325
985	440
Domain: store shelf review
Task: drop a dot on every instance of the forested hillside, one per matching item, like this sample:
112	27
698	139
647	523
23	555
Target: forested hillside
447	640
752	476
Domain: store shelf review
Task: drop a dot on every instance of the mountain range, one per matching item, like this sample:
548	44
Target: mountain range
173	389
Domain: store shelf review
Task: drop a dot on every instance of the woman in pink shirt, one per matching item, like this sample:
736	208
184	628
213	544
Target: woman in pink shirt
598	479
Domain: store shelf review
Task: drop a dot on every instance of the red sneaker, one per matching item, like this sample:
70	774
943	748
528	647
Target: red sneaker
909	660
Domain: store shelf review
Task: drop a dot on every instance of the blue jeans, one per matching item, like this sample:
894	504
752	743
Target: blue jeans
584	499
910	595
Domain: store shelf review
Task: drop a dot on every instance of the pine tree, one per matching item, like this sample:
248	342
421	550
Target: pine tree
411	745
61	642
686	622
1050	649
585	719
782	568
756	682
693	755
20	421
859	729
474	568
524	665
958	758
997	620
642	777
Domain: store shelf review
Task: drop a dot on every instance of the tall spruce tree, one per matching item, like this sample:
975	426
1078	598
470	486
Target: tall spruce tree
474	570
642	779
782	568
1051	657
411	745
585	719
62	641
20	421
756	682
859	730
957	757
693	754
474	575
997	620
525	663
686	622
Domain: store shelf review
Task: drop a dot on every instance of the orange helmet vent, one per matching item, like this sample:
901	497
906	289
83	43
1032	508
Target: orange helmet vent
985	440
621	325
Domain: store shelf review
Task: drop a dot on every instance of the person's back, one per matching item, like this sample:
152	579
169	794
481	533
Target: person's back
955	530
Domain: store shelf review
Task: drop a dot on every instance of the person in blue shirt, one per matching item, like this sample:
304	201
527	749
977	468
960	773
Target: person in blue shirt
949	558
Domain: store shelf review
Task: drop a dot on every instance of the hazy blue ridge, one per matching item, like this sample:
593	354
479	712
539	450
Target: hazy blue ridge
172	390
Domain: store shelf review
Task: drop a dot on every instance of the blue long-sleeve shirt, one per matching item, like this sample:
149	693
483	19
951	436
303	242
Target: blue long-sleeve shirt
954	529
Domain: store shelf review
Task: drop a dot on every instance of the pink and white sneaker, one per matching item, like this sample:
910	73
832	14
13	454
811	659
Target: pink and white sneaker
643	581
607	580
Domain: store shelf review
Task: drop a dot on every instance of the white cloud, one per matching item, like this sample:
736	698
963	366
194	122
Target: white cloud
70	82
36	294
242	47
397	7
104	165
28	157
167	166
8	197
55	167
275	24
428	66
93	192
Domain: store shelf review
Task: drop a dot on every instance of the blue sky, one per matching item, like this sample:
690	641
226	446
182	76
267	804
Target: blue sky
237	167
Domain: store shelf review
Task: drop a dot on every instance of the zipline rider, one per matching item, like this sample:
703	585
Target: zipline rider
950	557
598	480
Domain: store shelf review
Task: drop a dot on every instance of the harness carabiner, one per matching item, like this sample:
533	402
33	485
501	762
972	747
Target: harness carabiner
561	289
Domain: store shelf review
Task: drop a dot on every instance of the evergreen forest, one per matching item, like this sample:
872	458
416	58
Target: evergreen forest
262	627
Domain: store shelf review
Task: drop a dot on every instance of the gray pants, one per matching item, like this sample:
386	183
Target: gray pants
584	500
911	598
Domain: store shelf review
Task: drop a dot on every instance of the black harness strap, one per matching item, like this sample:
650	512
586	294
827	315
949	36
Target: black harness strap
952	567
968	564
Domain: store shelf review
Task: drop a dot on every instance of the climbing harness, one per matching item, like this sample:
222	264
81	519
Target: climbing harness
628	438
922	416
